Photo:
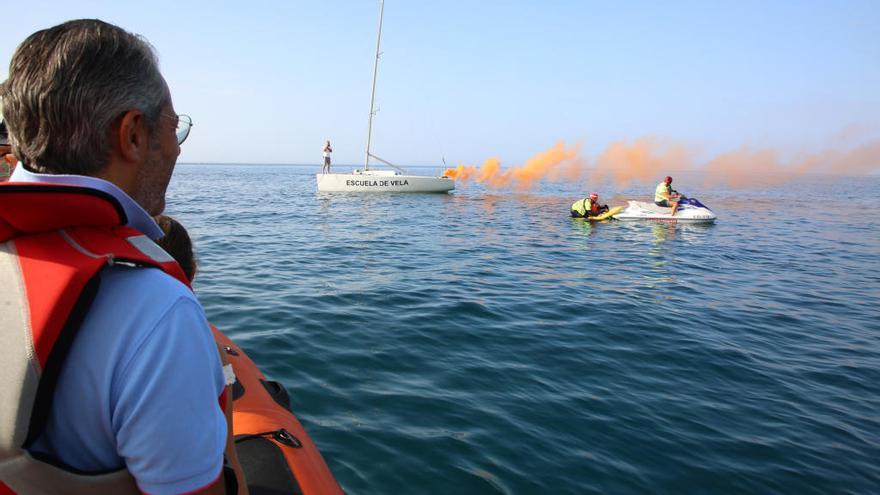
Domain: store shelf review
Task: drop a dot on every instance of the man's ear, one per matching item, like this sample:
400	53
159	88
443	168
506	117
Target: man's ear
132	137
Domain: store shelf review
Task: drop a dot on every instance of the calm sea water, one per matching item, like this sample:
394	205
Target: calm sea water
485	342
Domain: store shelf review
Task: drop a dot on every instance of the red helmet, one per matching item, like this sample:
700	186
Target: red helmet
594	196
668	180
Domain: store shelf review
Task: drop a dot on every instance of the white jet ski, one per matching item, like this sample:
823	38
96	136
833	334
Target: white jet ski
689	211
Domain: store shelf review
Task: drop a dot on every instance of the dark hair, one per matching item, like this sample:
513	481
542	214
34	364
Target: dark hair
67	86
4	136
177	243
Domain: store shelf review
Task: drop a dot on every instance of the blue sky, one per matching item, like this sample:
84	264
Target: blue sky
268	82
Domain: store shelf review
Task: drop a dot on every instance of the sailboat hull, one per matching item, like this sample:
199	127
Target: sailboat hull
383	181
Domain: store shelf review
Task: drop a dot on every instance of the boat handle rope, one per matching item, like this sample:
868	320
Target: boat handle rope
281	435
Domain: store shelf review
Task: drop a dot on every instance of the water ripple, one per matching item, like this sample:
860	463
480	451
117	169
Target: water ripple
483	342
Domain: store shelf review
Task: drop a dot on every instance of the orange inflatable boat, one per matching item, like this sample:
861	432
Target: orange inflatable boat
274	450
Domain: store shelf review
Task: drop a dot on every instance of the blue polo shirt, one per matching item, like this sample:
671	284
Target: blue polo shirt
140	386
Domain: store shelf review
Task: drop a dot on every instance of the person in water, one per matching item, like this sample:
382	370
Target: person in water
139	385
588	207
665	196
327	150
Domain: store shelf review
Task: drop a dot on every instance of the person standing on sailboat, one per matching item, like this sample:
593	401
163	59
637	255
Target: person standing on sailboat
327	150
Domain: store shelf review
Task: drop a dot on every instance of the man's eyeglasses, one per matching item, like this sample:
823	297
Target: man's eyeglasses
184	124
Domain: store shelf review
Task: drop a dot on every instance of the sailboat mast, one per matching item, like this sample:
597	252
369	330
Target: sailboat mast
373	92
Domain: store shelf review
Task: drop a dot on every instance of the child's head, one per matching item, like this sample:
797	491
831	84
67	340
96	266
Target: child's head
177	243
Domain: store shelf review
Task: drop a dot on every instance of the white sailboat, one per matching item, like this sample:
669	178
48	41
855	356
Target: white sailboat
371	180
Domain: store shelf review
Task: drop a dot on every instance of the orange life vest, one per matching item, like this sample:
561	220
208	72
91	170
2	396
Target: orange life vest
54	241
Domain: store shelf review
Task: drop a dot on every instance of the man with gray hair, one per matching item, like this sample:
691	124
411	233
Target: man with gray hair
111	374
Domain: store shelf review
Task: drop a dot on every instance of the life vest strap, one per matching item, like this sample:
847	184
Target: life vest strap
57	357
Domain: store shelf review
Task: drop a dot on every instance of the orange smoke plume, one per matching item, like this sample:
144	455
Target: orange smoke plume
648	159
557	163
745	168
643	160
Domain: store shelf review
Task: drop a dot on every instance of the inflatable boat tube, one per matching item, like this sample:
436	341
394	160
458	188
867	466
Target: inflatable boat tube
274	450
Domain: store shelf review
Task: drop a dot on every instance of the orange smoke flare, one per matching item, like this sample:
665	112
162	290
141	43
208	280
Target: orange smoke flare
648	159
745	168
556	164
644	160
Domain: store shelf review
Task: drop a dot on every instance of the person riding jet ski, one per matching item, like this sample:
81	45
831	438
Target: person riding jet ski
665	196
588	207
683	209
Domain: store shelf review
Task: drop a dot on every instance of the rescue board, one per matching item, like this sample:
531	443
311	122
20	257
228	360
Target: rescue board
275	452
608	214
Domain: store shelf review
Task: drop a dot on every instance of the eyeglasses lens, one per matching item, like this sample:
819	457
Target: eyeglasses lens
184	124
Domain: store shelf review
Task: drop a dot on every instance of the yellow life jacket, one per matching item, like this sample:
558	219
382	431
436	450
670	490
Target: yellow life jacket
581	207
662	190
